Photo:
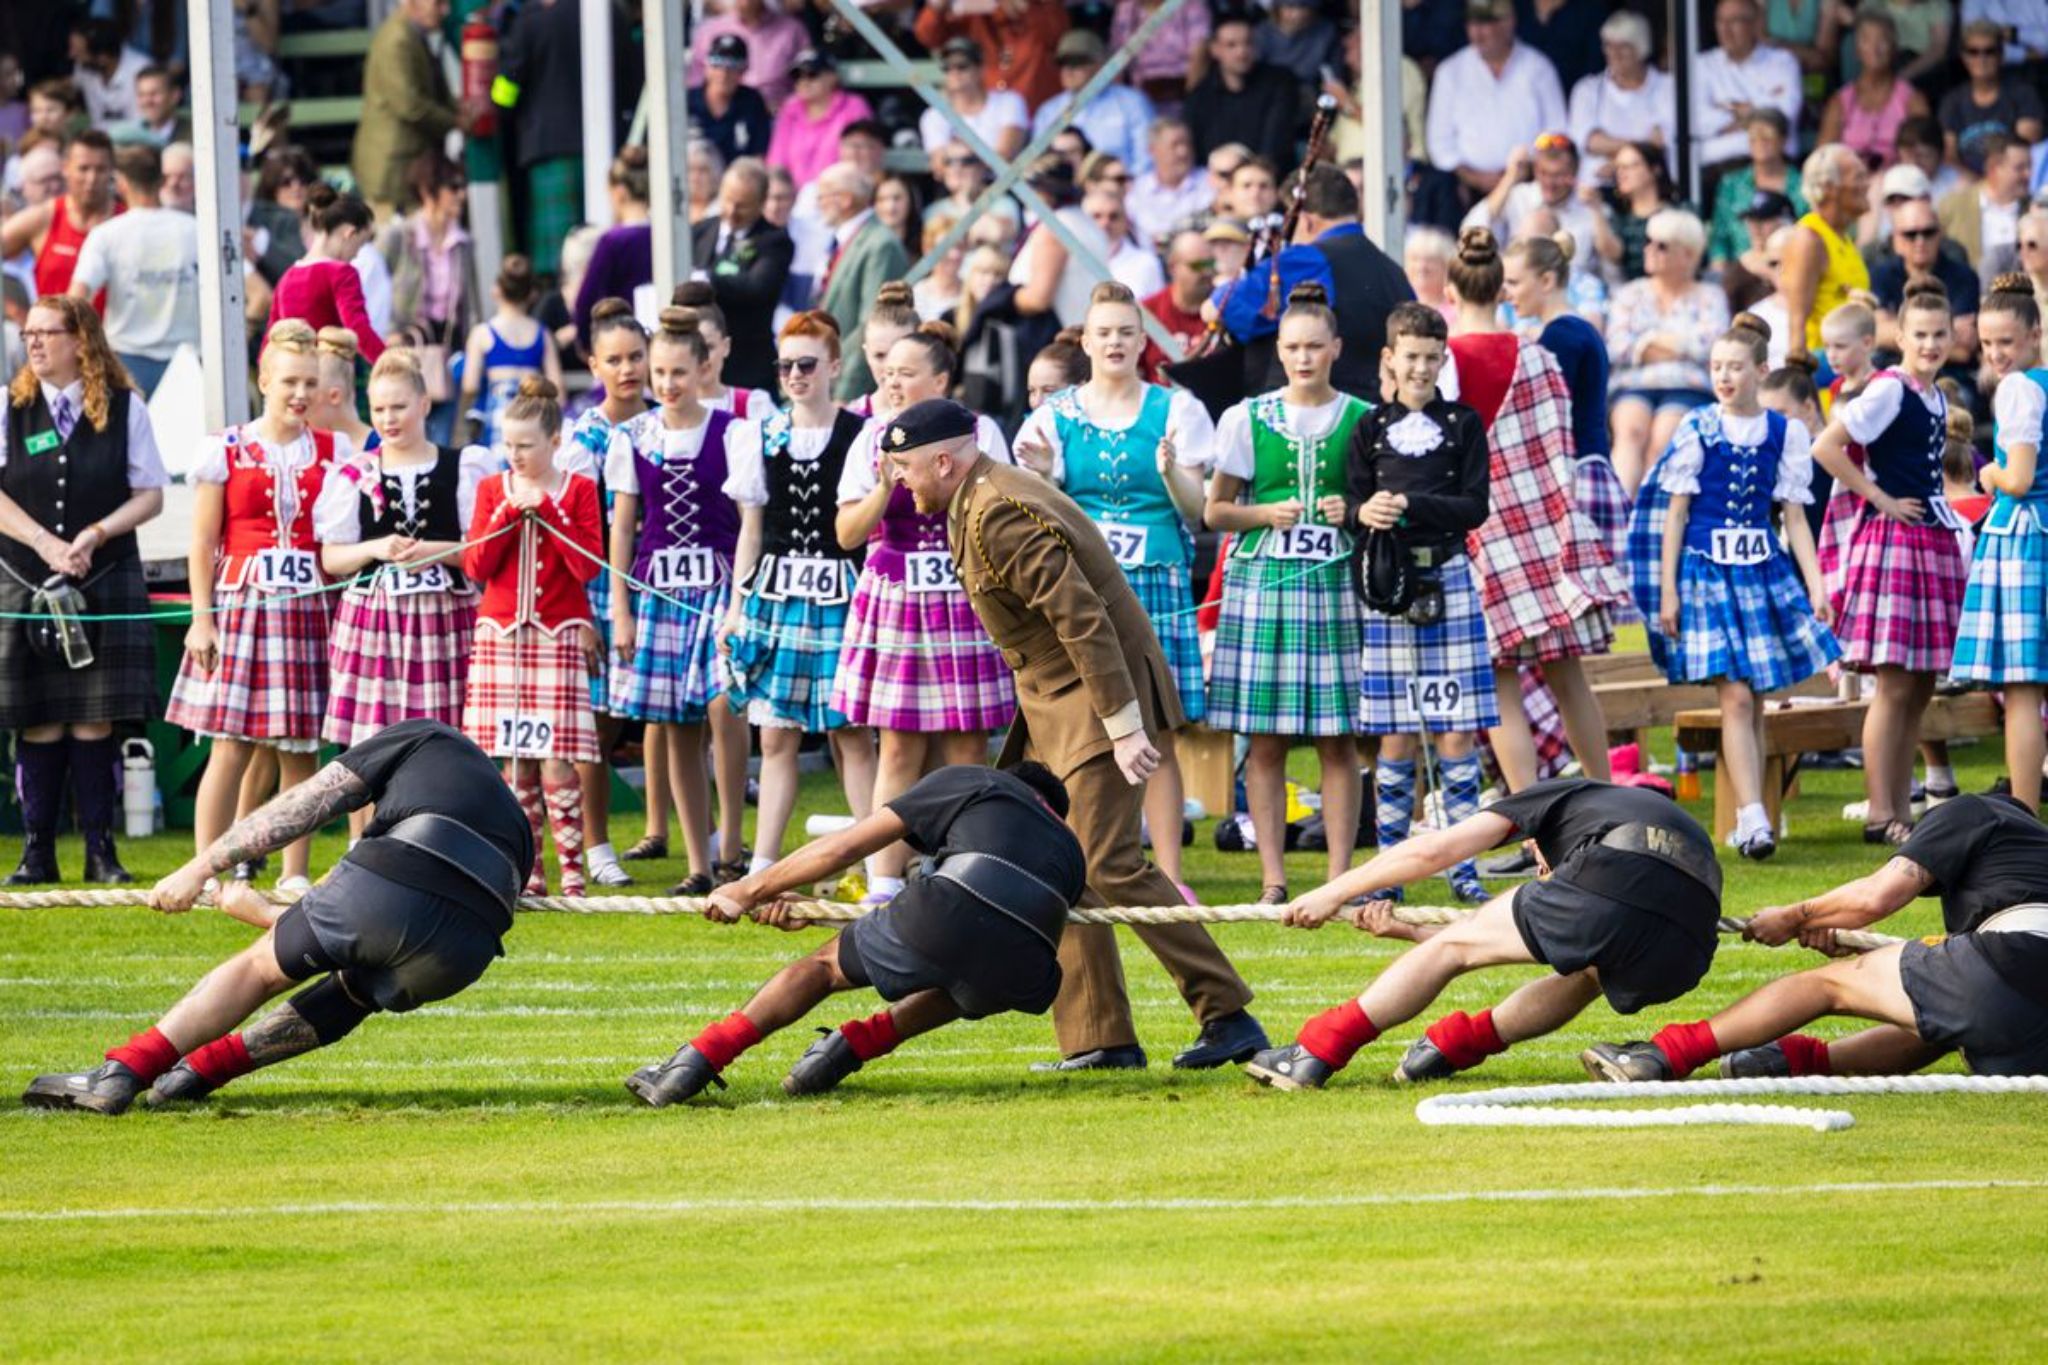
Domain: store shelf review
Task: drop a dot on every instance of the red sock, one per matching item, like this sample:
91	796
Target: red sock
871	1037
221	1060
726	1039
1334	1036
1806	1055
1687	1047
148	1054
1466	1040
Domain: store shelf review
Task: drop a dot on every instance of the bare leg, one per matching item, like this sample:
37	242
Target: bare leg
1265	791
729	745
1741	758
691	790
220	787
654	758
1584	725
225	996
1165	807
797	989
1342	790
2024	742
292	769
1411	981
1886	1050
259	780
902	763
1867	987
778	789
1891	729
922	1012
1630	422
596	781
963	747
1514	748
1544	1005
853	753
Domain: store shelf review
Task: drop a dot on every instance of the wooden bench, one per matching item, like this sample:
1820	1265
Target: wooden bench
1793	730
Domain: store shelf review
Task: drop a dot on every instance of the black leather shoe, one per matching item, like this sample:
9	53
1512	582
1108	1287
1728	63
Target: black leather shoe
1626	1062
681	1077
180	1085
824	1065
38	865
103	865
108	1088
1129	1057
1422	1062
1519	863
696	884
1292	1067
1754	1062
1232	1038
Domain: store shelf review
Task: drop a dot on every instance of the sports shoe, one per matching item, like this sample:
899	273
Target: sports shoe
1754	1063
180	1085
1129	1057
1234	1037
1292	1067
108	1088
824	1065
1759	846
610	873
1625	1062
1423	1062
683	1076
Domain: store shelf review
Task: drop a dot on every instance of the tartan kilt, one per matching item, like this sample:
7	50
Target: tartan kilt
120	682
1546	722
1747	623
1902	596
527	672
397	658
1165	592
270	685
2003	633
1287	649
1831	547
675	672
600	590
1597	492
1395	651
554	205
920	663
784	661
1581	637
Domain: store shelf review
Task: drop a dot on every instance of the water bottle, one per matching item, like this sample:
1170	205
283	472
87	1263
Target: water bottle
138	788
1688	776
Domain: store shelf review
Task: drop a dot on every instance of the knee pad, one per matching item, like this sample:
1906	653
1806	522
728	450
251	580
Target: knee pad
329	1010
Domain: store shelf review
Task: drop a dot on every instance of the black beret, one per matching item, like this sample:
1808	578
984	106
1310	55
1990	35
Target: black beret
928	423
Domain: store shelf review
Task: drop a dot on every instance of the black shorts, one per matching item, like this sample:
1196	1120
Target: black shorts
400	947
1009	967
1960	1001
1642	958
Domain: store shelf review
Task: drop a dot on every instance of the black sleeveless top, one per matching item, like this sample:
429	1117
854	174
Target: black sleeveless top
803	495
68	486
436	513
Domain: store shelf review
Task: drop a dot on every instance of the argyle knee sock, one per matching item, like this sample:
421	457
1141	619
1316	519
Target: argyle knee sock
526	789
1462	778
1393	785
565	813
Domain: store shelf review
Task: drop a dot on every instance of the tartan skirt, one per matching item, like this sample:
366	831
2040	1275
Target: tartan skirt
1449	662
120	682
675	671
1287	650
785	660
1591	632
1165	593
1902	596
600	590
526	672
1748	623
920	662
554	206
2003	634
270	683
1597	492
397	658
1831	546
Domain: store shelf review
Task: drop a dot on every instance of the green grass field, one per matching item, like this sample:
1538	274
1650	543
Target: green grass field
473	1182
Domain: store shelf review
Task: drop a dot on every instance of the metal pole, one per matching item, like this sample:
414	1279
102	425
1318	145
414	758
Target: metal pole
600	119
1685	43
223	342
1379	97
668	142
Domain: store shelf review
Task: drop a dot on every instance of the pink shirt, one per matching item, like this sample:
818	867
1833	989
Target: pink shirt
805	147
771	51
326	294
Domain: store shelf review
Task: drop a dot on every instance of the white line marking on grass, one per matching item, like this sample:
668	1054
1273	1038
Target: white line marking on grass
560	1207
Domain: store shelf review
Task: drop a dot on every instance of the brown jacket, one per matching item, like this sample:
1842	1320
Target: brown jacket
1052	597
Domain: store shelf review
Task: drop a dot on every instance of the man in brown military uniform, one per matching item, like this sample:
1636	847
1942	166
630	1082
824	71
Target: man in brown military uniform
1092	688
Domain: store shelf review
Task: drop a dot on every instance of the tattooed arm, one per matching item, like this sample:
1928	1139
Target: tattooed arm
332	791
1850	906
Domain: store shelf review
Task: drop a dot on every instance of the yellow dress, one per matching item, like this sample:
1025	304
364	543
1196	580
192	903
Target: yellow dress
1845	274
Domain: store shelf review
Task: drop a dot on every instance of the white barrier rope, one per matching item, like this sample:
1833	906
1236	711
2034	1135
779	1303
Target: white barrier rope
1539	1106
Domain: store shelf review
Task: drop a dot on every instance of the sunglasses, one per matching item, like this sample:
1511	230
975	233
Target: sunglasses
961	66
802	365
1553	142
1982	52
1918	234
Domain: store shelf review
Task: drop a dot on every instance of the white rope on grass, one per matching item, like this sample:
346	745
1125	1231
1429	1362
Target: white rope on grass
1549	1106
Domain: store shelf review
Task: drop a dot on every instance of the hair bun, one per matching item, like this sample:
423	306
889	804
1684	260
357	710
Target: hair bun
633	157
895	294
338	341
610	308
939	330
2014	282
1929	288
538	386
1750	322
1067	336
675	319
1308	292
322	195
1478	246
693	294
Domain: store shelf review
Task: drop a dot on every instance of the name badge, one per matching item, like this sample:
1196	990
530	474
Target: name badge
1436	697
808	577
403	580
524	737
1739	547
1302	541
284	570
1126	543
684	566
1944	515
930	571
43	442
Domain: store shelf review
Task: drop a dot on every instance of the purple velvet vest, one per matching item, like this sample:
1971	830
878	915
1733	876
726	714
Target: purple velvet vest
683	502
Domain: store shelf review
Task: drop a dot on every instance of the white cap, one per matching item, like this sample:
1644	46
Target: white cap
1905	182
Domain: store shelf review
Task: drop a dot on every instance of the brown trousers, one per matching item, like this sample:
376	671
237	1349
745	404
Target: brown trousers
1093	1010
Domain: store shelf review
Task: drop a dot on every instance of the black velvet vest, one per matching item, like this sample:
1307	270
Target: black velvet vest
70	486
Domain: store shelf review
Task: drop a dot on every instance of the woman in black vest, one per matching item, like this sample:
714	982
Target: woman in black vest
79	471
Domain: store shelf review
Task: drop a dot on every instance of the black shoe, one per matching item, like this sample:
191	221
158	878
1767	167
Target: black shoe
696	884
1423	1062
725	874
1292	1067
681	1077
650	846
1129	1057
1520	863
824	1065
103	865
1759	846
1754	1063
38	865
1232	1038
180	1085
1625	1062
108	1088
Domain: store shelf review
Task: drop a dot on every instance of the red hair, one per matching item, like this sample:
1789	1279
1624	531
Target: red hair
816	323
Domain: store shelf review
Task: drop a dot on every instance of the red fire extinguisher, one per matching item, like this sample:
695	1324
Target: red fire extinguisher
479	70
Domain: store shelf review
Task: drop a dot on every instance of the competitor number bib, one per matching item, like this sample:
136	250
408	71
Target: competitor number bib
1126	543
525	737
284	570
1739	547
930	571
807	577
1944	515
683	566
404	580
1303	541
1436	698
